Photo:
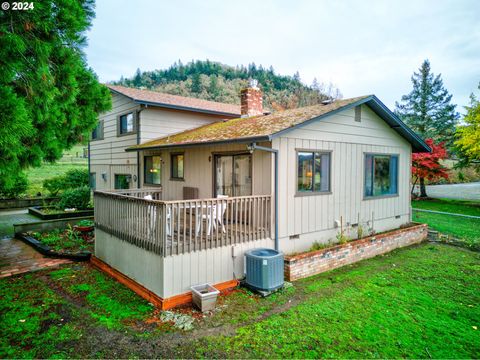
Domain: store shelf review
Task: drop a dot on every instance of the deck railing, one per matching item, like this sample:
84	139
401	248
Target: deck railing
177	227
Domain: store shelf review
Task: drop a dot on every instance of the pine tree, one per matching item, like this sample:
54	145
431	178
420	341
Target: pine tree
49	97
213	89
427	109
196	83
137	78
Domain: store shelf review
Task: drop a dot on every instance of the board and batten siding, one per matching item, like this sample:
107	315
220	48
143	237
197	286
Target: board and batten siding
305	219
156	123
199	170
174	275
108	156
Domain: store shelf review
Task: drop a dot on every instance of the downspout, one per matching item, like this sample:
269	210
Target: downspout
251	148
89	169
142	107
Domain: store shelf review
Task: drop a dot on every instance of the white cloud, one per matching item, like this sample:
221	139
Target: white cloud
362	47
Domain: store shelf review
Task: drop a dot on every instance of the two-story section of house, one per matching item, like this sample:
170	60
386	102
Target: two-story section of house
138	116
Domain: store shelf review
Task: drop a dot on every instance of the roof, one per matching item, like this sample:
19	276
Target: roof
155	98
267	127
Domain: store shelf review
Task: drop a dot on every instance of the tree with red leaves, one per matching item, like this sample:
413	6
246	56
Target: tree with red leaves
427	165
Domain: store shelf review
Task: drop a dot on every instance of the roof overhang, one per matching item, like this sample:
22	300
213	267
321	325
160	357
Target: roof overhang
175	107
418	145
244	140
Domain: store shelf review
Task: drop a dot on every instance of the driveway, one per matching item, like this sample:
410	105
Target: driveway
469	191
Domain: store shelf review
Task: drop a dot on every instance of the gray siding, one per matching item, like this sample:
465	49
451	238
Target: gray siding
156	123
199	170
313	217
108	156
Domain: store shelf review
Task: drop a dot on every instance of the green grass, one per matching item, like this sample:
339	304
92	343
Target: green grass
459	227
69	161
448	205
417	303
44	314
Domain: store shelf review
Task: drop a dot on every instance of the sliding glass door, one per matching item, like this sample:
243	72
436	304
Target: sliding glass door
233	175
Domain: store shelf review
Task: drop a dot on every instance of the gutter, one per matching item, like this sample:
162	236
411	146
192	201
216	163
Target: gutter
252	147
207	143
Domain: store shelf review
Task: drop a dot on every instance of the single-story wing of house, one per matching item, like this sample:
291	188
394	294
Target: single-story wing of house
279	180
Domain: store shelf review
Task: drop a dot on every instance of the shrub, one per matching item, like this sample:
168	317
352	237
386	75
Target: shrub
85	223
76	178
18	187
53	185
72	179
319	246
78	198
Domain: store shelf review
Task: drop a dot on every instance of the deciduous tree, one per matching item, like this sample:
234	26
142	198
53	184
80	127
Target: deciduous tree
468	134
428	166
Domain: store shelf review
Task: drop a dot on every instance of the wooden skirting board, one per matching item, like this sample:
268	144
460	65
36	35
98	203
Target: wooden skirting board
164	304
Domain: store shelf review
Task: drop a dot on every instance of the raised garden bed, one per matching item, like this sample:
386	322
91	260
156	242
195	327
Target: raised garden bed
8	204
318	261
66	243
51	213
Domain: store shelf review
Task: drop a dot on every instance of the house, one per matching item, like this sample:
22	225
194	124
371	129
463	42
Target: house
281	180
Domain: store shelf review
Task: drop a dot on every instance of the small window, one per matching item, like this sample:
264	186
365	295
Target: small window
177	166
93	180
97	133
313	172
122	181
152	170
381	175
126	124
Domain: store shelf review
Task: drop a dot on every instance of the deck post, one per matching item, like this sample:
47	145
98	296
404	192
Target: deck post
252	147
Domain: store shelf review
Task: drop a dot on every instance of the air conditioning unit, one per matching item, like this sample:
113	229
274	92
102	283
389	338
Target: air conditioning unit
264	270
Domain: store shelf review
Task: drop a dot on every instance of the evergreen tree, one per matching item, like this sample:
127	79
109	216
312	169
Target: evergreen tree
49	97
196	83
427	108
137	78
213	89
428	111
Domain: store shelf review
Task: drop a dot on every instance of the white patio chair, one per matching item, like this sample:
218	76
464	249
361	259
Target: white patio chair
152	214
215	214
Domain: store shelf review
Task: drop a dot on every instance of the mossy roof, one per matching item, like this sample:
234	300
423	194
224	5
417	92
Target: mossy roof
247	128
266	127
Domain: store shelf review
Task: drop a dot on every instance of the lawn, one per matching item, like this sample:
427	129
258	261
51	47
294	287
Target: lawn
460	227
69	161
418	302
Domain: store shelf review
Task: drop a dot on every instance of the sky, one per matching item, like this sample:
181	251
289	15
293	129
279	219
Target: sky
362	47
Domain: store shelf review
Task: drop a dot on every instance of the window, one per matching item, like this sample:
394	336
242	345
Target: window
313	172
126	124
93	180
97	133
233	175
122	181
177	166
152	170
381	175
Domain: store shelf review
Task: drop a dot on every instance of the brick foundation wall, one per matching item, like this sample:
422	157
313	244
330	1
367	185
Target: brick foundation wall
315	262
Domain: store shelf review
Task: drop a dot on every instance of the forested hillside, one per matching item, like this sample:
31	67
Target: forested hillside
218	82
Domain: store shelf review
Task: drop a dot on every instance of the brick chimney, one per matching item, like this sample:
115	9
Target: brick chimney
251	100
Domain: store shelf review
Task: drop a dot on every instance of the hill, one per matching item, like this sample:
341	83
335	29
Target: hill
218	82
